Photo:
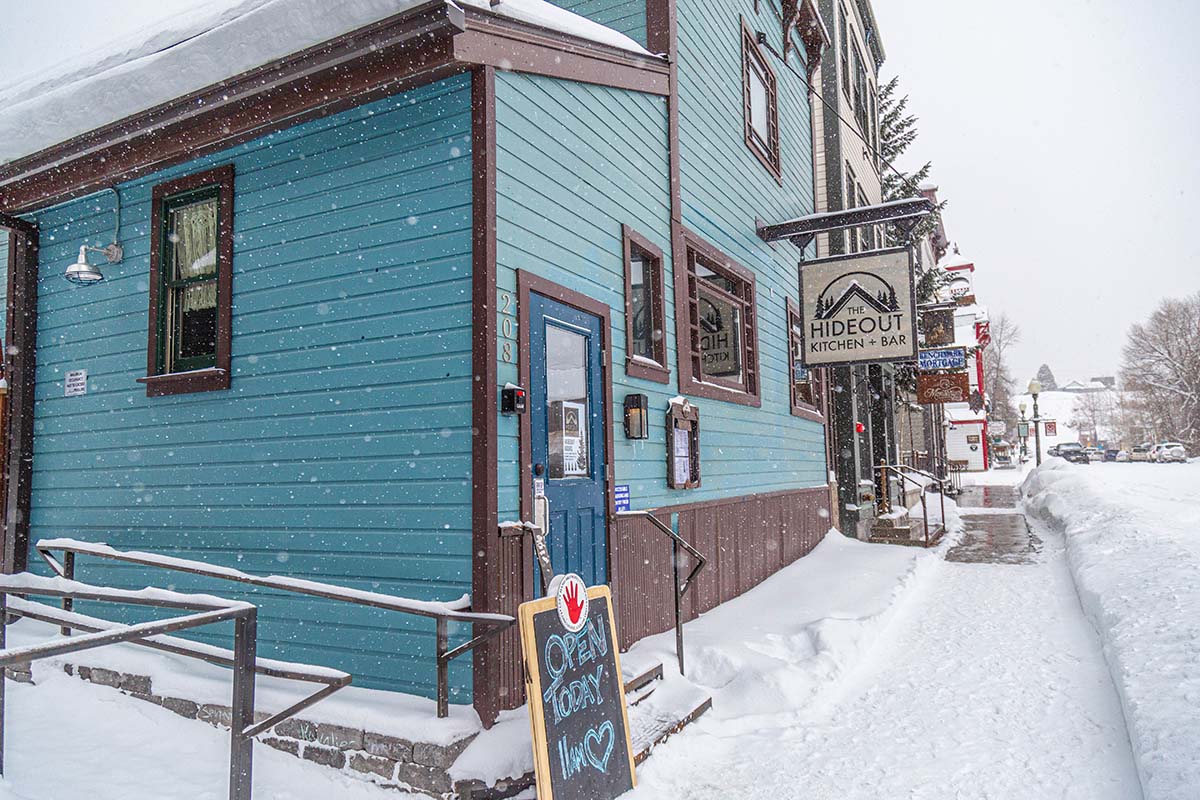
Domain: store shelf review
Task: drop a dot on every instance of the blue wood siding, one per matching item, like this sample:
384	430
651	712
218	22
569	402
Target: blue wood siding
342	450
625	16
574	162
724	189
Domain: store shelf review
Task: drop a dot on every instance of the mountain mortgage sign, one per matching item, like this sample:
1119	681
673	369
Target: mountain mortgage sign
858	308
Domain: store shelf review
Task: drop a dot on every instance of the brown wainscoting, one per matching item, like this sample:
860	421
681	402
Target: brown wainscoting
745	539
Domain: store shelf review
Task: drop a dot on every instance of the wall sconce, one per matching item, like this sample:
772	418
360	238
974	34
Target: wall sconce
83	273
637	416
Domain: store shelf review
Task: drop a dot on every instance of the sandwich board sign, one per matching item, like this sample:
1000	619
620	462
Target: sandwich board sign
577	710
942	358
858	308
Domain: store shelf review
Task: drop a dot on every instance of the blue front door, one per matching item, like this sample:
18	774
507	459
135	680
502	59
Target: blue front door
567	423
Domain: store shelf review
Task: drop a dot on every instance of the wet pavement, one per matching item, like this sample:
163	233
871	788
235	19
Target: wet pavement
993	538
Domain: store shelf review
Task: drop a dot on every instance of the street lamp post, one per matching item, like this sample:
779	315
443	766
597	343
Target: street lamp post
1025	438
1035	388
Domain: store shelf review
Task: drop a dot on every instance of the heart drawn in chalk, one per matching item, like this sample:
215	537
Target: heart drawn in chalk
605	737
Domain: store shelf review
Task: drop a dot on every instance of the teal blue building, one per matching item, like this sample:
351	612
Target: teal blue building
329	278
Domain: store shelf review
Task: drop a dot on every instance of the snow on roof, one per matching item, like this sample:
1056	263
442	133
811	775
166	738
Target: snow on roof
214	41
953	260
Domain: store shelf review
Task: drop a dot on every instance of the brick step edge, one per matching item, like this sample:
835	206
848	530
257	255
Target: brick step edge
365	755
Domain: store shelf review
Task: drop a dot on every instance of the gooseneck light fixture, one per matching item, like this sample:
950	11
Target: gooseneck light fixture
83	273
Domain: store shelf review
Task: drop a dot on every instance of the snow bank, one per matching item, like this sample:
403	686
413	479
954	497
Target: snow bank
782	643
1132	543
215	41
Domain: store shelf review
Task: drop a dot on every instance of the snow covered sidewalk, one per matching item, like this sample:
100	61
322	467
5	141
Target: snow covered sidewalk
1133	541
988	683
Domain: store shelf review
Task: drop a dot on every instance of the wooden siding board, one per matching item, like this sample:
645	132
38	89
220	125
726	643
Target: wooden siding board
625	16
342	449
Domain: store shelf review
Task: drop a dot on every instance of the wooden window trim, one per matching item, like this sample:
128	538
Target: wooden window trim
809	411
638	368
684	417
752	59
687	334
216	378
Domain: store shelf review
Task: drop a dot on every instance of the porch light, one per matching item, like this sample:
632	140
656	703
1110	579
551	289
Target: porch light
84	274
637	416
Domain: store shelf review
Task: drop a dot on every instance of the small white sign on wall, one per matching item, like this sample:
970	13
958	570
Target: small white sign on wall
76	383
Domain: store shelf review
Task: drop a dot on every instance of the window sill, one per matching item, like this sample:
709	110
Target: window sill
806	412
646	369
210	379
713	391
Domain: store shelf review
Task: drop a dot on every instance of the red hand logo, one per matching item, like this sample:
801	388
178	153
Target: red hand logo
574	606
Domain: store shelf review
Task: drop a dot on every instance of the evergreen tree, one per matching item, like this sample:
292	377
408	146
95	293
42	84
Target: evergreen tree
1046	378
897	131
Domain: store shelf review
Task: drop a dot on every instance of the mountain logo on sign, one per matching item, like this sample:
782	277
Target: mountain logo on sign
856	287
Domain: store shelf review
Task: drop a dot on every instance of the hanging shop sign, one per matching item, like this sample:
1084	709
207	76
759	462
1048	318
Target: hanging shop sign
581	745
942	358
858	308
942	387
938	327
1051	427
1023	430
998	428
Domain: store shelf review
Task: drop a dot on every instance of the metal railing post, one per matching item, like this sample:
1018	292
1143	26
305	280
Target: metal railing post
443	669
68	603
241	746
678	601
925	514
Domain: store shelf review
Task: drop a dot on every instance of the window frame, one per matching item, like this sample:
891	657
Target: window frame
687	328
814	411
659	372
844	55
207	379
752	59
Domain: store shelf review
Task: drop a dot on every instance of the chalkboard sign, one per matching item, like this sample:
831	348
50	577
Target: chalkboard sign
581	747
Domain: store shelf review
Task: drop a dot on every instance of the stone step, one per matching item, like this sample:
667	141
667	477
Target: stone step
676	704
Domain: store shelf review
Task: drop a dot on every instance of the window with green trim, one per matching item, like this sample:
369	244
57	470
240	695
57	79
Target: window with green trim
190	284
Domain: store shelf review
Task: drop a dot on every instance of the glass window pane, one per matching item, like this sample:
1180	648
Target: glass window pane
194	318
758	105
717	279
642	305
720	337
567	403
192	234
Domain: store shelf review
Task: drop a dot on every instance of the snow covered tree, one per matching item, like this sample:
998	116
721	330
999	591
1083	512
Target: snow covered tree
1093	415
897	132
1161	363
1046	378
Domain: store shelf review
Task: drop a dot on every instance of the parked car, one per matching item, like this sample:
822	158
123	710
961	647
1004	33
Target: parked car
1111	454
1171	452
1123	456
1073	452
1094	453
1140	452
1053	451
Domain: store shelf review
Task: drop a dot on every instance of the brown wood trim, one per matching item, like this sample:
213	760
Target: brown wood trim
406	50
813	412
486	573
766	152
158	383
634	368
21	362
17	224
528	283
687	336
510	45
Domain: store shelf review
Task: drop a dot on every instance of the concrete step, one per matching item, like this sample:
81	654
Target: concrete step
676	704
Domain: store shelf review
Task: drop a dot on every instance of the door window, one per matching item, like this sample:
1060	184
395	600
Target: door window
567	403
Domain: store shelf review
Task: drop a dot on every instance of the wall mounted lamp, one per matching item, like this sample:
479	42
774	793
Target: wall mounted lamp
637	416
83	273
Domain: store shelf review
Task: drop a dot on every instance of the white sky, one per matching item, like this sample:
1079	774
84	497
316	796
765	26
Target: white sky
1061	131
1064	135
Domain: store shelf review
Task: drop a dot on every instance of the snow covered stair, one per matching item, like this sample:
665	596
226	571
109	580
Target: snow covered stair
659	706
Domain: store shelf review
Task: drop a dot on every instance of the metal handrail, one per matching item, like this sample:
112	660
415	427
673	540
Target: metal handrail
899	470
443	613
205	610
677	542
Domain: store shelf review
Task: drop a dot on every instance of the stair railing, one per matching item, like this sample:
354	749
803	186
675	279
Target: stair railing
442	612
677	543
902	471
